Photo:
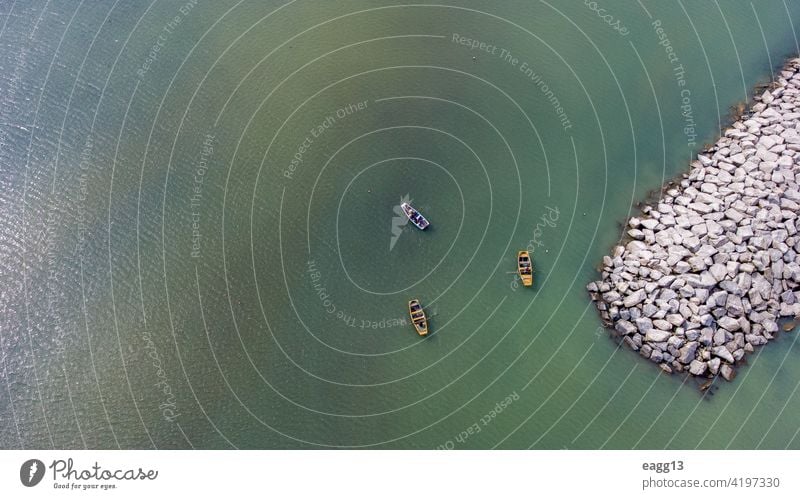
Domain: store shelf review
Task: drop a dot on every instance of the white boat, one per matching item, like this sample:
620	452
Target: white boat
415	216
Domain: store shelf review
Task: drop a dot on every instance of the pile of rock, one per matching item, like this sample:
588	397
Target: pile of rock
711	268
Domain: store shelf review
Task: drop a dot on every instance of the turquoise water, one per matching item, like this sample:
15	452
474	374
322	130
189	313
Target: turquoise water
172	279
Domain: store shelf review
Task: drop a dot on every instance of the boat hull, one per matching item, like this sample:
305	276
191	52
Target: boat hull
418	318
415	217
525	268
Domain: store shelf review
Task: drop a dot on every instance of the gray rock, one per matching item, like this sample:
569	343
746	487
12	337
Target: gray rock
656	356
718	272
636	234
667	294
624	327
697	264
657	336
662	325
770	326
648	310
724	354
731	287
707	280
675	342
676	319
727	372
714	229
734	215
734	306
650	223
697	367
755	339
643	324
634	298
692	243
666	281
706	336
738	159
687	353
729	323
700	207
720	297
719	337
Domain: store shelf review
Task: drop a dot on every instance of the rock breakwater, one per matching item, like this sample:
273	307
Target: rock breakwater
710	269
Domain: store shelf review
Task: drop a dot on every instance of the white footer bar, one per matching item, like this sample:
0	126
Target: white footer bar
401	474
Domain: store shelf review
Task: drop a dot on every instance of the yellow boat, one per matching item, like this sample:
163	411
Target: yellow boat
418	317
525	268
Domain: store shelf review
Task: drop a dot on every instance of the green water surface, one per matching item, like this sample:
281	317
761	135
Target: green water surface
171	279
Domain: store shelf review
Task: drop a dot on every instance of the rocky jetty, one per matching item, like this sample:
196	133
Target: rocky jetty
709	270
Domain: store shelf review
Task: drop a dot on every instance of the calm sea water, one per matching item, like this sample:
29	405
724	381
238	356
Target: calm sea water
201	248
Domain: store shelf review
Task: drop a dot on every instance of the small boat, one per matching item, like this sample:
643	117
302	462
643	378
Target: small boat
418	317
525	268
415	216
